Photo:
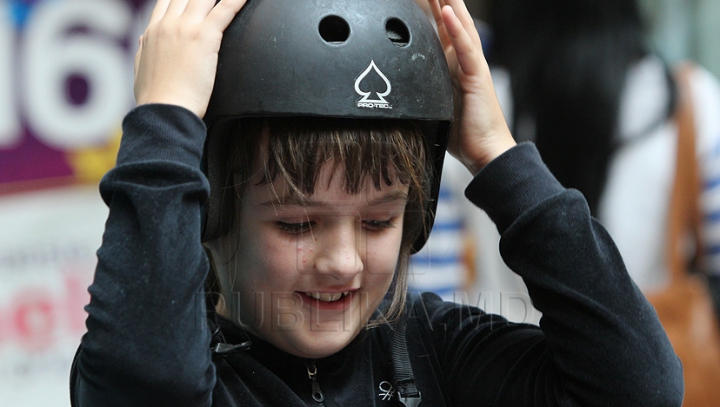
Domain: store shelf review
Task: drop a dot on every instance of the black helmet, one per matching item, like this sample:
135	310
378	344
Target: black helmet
374	59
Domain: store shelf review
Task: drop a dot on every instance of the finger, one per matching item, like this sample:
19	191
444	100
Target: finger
159	10
436	8
137	56
467	53
176	7
199	8
136	65
461	12
224	12
136	70
465	18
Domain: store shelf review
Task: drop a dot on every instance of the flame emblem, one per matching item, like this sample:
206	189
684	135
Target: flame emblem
366	101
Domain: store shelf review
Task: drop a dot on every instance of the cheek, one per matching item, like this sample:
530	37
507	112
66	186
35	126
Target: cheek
303	254
381	257
261	262
281	260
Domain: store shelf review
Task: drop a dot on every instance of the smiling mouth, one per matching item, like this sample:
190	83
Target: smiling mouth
327	297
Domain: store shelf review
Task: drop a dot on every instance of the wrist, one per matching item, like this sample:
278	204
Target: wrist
487	152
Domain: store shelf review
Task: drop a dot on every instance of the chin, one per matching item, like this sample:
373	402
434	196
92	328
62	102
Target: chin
321	345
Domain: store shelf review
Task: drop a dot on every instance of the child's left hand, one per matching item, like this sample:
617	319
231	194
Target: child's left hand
480	133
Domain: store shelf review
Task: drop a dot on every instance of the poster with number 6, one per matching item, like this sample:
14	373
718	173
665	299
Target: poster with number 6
66	73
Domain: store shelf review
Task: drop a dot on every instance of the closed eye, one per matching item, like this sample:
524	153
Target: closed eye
377	225
302	227
295	228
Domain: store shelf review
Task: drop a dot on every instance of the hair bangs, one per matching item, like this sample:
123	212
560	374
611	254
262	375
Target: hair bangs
382	152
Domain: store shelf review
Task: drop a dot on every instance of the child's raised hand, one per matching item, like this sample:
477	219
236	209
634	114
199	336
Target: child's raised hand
480	133
177	57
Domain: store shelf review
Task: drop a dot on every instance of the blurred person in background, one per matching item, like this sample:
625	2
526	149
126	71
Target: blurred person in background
578	79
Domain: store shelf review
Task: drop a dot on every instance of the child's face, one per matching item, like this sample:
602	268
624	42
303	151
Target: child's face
309	275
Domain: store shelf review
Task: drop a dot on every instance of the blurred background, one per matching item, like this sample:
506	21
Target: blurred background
65	85
679	29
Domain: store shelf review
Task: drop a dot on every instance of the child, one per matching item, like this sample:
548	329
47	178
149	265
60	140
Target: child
316	201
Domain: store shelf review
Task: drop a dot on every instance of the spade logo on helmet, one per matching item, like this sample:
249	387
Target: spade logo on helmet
366	101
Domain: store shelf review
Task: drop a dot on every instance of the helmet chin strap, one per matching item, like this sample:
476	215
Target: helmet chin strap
407	391
218	344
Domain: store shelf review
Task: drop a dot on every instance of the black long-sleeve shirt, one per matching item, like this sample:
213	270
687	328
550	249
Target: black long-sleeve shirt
599	342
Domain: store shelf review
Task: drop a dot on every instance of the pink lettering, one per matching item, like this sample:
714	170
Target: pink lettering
36	317
34	320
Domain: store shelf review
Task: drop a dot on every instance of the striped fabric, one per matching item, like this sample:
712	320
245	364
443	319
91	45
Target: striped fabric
440	267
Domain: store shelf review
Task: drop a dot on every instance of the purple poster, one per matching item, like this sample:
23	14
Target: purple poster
65	84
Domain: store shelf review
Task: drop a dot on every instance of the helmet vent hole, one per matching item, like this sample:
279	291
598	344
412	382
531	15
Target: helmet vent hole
334	30
397	32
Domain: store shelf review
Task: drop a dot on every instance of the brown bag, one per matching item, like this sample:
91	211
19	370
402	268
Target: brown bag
684	306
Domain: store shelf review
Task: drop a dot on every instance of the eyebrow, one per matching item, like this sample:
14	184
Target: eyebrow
298	201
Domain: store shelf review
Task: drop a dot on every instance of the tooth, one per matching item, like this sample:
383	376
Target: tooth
345	293
325	297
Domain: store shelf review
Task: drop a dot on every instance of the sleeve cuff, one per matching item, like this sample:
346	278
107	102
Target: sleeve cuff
162	132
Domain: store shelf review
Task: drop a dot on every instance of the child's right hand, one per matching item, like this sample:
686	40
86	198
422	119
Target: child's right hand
178	53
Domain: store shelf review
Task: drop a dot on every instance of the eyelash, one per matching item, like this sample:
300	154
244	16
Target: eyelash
302	227
295	228
378	225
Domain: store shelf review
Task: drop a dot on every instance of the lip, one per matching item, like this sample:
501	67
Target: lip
339	305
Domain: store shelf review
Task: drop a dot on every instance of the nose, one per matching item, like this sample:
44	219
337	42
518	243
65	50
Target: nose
338	250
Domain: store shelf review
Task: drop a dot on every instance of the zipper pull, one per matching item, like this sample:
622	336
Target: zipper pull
317	394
